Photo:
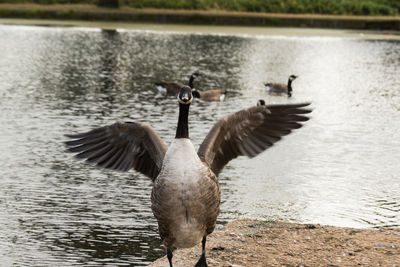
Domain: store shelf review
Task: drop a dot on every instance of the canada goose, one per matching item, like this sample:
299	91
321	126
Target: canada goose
260	102
280	88
172	88
210	95
186	195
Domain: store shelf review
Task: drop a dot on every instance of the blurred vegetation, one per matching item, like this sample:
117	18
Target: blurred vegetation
336	7
108	3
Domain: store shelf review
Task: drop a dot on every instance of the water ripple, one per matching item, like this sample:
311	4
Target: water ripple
340	169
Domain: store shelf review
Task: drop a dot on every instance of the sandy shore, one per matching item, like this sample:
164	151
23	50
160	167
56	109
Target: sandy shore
256	243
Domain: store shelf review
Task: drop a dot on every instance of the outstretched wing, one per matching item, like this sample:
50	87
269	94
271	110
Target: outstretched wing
249	132
121	146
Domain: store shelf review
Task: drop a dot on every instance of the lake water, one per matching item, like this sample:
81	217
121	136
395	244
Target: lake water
341	169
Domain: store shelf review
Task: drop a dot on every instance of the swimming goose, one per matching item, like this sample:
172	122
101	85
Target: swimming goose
279	88
186	195
172	88
210	95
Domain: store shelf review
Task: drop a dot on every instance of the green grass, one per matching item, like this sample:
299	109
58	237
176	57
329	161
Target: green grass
334	7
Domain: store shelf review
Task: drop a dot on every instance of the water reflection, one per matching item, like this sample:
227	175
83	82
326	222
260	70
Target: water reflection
341	169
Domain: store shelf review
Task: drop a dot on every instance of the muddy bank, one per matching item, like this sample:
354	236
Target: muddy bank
257	243
89	12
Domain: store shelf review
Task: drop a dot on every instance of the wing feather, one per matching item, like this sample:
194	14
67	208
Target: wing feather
249	132
112	159
121	146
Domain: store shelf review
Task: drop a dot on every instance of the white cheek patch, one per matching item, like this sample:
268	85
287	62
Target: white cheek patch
189	102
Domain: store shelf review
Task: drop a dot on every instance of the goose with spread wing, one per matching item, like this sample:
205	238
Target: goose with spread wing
186	196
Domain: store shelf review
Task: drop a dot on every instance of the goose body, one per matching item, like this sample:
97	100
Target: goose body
276	88
172	88
280	88
186	196
210	95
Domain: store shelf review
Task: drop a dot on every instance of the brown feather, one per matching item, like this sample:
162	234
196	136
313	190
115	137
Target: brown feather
122	146
212	95
278	88
171	87
249	132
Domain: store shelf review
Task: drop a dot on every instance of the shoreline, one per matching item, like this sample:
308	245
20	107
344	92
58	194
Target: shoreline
197	17
278	32
259	243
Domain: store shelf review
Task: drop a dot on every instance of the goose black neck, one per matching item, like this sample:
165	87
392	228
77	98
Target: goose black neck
289	86
191	80
182	131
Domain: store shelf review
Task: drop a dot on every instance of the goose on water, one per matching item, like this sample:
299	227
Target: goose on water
186	196
172	88
280	88
210	95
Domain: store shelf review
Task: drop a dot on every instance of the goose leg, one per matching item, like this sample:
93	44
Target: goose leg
169	256
202	261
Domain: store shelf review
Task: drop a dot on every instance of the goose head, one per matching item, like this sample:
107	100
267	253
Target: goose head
292	77
195	74
185	96
261	102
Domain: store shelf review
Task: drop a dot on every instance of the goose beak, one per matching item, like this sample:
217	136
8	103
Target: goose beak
185	95
185	98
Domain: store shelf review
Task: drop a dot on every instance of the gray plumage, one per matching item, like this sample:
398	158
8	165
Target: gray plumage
121	146
186	195
249	132
185	198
